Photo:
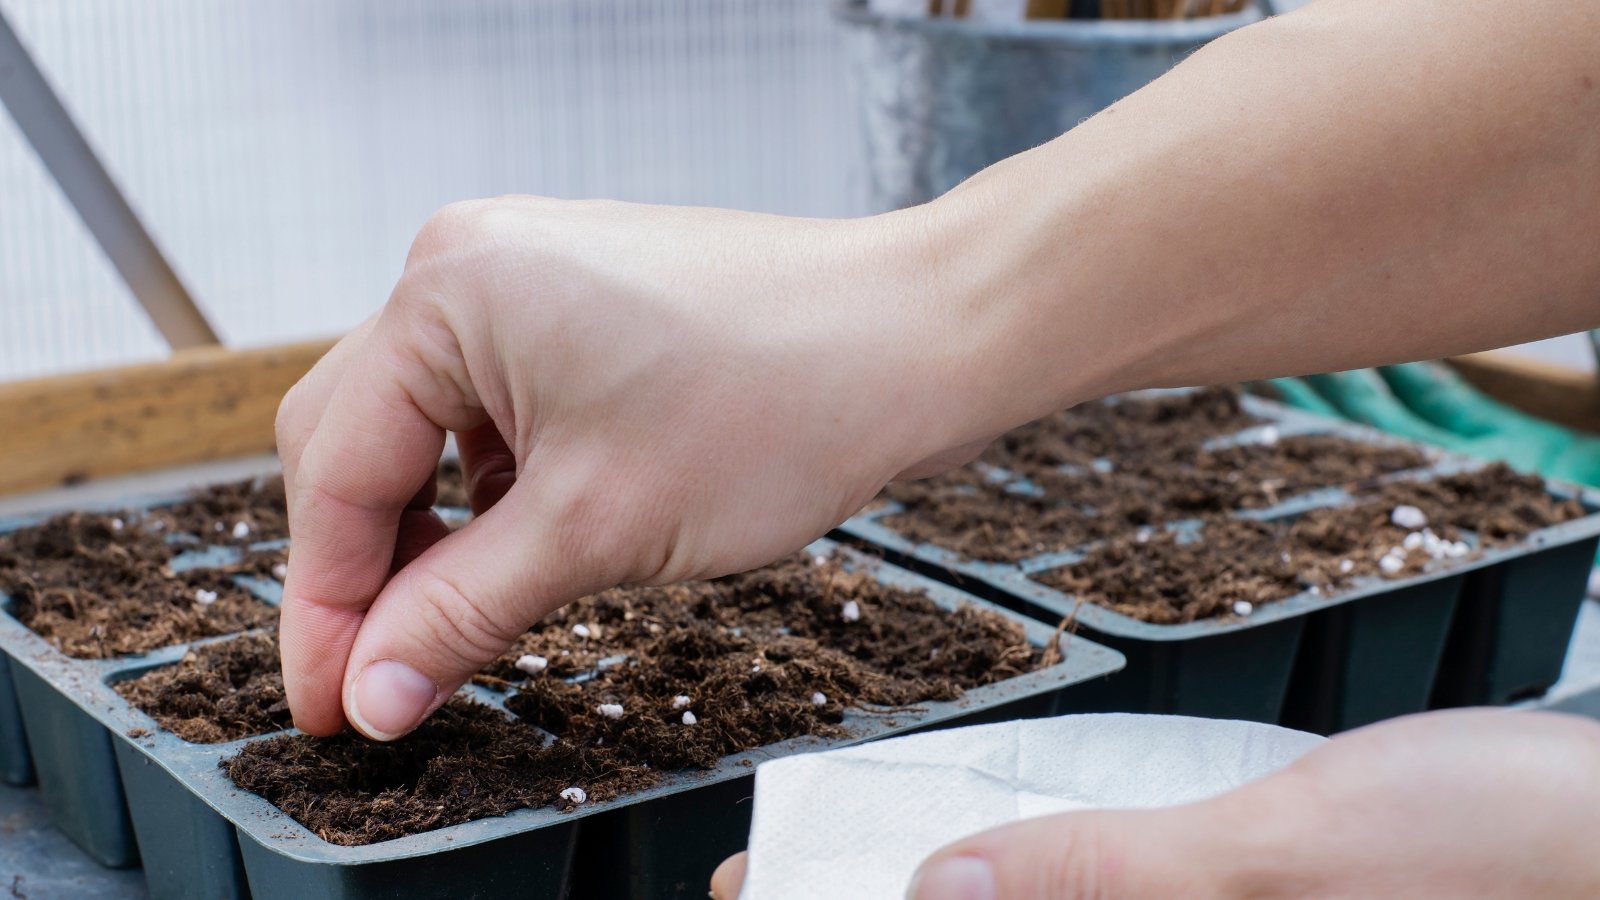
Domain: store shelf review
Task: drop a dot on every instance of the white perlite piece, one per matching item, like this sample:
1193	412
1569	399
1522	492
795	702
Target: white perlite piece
1269	436
241	530
577	796
1407	516
529	664
1243	607
280	571
1413	541
681	701
205	597
819	560
1345	566
819	699
581	630
117	524
851	611
1391	565
688	718
610	710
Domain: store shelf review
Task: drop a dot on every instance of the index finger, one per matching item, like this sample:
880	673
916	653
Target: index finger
372	451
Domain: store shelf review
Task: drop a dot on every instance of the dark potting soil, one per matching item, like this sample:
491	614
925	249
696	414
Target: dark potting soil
1121	426
214	513
746	657
1168	578
468	761
973	515
98	586
217	693
1498	503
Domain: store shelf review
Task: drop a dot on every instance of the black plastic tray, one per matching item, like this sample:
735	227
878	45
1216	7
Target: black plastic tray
128	792
1490	629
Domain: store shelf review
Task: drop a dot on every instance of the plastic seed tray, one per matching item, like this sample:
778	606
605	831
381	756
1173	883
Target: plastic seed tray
1492	628
130	793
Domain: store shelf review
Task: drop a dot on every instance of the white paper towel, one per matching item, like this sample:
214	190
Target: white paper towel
856	823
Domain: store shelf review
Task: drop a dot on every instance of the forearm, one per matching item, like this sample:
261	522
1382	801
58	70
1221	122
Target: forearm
1358	183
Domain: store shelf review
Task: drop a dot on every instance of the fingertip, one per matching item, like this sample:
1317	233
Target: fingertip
313	644
389	699
728	879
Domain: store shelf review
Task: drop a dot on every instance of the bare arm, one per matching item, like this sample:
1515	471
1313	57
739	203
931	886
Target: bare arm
1360	182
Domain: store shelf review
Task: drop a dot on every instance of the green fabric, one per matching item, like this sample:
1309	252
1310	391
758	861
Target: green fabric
1429	402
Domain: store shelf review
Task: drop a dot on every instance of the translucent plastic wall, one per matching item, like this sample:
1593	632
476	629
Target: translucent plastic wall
284	152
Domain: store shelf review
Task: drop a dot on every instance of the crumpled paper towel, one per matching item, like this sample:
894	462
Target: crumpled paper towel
856	823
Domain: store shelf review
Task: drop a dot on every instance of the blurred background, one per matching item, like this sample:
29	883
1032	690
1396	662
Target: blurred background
283	154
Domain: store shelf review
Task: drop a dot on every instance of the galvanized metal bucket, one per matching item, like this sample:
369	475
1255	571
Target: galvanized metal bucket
942	99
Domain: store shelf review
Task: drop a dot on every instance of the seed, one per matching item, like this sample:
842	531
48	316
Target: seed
851	611
688	718
1243	607
681	701
280	571
241	530
819	560
1268	437
819	699
116	524
1345	566
1407	516
575	795
581	630
610	710
205	597
530	664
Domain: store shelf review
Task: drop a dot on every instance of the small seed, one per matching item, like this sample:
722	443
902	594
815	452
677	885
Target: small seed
280	571
1243	607
241	530
581	630
819	699
1407	516
116	524
1345	566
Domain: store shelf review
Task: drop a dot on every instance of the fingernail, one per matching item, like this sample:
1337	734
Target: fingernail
955	878
389	699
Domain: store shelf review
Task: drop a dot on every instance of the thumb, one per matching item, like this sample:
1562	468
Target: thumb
453	610
1127	855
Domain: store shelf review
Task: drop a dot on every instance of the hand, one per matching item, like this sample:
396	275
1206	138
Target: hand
1461	804
639	394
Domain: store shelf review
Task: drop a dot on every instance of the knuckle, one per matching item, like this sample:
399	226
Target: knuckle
457	629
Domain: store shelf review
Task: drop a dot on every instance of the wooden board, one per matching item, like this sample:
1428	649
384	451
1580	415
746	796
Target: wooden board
1559	393
201	404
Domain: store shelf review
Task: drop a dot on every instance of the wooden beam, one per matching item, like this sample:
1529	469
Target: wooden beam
1559	393
201	404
